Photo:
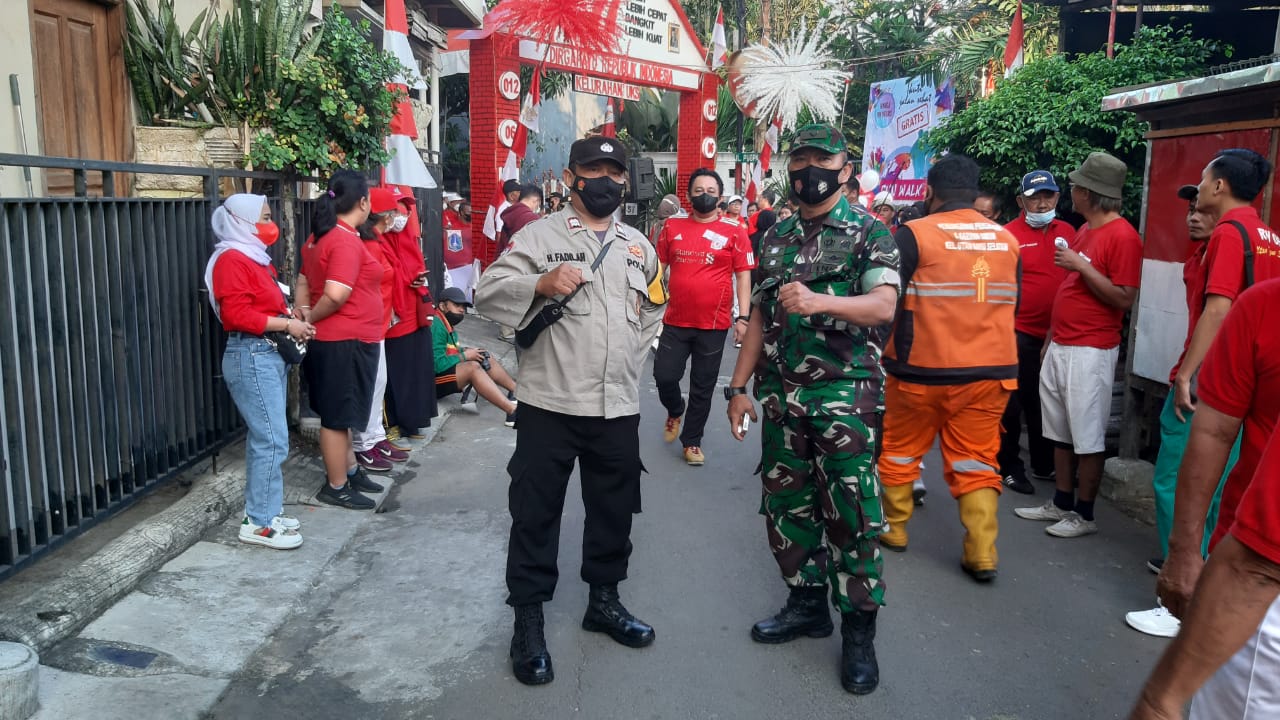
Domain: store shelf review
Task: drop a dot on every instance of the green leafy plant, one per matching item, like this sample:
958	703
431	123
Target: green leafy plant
1049	114
333	109
162	62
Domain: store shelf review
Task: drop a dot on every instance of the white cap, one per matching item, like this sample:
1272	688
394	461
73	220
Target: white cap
451	197
884	197
733	199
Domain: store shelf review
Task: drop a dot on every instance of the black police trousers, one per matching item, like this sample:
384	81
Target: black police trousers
608	457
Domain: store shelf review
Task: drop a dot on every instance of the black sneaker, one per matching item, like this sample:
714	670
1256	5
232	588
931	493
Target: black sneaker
361	482
1155	564
468	396
345	497
1019	484
1050	476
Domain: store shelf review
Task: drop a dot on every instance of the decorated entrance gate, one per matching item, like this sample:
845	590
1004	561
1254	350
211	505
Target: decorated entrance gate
657	48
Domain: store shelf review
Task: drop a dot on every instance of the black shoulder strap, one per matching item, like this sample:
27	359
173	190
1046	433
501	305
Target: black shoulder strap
1248	254
595	265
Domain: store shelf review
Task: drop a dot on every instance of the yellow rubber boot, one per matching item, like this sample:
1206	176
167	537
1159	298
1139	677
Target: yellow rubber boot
898	505
978	514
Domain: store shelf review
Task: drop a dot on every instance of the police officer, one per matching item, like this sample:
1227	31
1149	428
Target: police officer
824	293
583	279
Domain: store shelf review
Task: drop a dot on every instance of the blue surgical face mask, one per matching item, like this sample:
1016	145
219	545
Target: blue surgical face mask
1039	220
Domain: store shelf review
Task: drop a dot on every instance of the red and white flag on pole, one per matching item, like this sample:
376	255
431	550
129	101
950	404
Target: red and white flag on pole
719	48
511	168
1013	50
405	166
610	127
766	157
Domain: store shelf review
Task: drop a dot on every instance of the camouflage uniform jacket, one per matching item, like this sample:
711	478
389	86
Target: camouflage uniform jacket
817	365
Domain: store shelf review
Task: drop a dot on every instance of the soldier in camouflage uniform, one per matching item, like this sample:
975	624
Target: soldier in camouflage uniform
823	295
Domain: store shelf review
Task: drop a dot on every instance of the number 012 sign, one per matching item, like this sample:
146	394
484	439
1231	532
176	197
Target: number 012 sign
509	85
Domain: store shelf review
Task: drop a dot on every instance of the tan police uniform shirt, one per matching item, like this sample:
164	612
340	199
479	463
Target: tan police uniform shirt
588	363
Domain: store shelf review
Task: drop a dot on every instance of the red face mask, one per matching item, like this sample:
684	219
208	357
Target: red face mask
268	232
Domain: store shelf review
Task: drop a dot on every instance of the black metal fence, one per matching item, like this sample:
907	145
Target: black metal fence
110	358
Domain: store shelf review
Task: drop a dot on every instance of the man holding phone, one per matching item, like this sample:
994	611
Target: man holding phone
824	293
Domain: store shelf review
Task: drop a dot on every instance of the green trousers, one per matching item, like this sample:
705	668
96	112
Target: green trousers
819	479
1173	444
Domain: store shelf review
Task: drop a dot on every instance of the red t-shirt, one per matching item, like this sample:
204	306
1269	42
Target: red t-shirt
1258	517
1240	377
1079	317
1217	267
340	256
381	253
1040	277
703	257
246	292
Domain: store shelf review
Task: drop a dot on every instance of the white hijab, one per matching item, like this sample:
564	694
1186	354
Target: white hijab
235	225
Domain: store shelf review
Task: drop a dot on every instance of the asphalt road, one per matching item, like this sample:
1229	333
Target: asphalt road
408	621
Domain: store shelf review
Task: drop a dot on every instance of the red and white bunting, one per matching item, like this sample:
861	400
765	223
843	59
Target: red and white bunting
719	48
405	166
766	157
1013	50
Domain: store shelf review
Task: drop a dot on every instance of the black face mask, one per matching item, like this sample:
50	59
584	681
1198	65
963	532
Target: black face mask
454	317
703	204
600	195
812	185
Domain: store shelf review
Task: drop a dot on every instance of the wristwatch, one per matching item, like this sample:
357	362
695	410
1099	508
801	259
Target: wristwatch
729	392
743	318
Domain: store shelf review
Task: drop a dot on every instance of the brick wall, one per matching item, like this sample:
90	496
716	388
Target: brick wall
694	127
488	109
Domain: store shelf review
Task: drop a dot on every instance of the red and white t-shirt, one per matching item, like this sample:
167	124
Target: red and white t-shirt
1240	377
1079	317
1217	267
703	257
340	256
1041	278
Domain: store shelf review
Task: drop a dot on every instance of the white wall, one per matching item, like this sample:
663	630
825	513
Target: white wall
15	38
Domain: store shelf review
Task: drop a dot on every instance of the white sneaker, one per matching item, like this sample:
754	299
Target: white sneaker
1157	621
275	537
279	522
1047	511
1072	525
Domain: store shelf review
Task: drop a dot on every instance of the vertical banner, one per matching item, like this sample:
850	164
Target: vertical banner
898	112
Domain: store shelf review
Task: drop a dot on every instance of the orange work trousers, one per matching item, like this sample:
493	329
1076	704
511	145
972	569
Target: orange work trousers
966	416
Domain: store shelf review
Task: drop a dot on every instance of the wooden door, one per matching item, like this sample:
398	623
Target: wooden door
81	95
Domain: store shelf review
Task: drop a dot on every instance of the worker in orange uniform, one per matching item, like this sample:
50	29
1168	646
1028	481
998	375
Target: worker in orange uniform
952	360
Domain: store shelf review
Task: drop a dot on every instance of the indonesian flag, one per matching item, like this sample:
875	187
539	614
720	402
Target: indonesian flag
719	48
610	128
1013	50
405	166
766	156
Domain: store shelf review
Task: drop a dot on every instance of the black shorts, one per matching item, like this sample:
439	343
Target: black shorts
447	383
340	378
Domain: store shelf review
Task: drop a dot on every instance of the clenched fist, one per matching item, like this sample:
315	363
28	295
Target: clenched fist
562	280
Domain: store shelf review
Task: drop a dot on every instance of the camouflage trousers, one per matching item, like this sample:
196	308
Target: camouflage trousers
819	474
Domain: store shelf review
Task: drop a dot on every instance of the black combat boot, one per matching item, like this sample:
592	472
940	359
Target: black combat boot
530	660
806	613
606	614
859	672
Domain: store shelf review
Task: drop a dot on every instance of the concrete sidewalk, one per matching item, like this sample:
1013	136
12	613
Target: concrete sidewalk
170	648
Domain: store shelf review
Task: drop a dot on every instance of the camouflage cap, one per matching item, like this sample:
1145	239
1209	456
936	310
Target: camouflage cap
826	138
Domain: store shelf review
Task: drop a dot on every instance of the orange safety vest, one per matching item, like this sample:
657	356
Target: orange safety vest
955	324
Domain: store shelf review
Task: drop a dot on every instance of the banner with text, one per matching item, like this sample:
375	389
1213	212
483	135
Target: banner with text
898	112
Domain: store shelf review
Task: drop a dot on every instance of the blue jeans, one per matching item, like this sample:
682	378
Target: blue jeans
255	376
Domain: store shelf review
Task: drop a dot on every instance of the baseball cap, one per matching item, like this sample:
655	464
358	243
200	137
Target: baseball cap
1037	180
402	197
733	199
820	137
1189	192
455	294
591	149
510	186
381	200
452	197
884	197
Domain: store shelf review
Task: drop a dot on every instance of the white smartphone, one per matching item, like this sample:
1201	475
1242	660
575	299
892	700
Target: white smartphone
746	422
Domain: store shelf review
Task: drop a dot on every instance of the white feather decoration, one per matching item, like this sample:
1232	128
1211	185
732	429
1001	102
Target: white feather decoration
799	72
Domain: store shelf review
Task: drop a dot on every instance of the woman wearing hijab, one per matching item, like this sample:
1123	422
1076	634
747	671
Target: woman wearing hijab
250	302
410	399
344	284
